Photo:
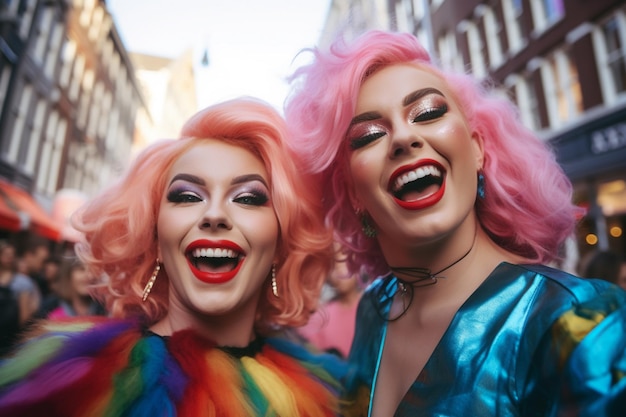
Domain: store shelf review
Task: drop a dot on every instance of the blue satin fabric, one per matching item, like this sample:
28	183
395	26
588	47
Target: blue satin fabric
530	341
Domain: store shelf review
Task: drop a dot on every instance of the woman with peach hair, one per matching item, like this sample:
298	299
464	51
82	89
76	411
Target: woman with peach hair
208	246
434	185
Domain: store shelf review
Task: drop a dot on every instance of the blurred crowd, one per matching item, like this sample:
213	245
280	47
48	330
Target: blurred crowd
34	284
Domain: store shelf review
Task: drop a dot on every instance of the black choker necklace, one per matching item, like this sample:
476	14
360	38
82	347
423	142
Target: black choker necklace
423	276
387	291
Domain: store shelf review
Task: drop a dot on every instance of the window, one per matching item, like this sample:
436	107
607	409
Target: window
105	115
616	54
512	10
10	7
553	10
42	32
434	4
53	52
77	76
5	76
546	13
96	24
74	172
114	129
104	33
404	17
492	34
95	110
476	47
562	88
449	53
34	135
44	166
69	53
27	18
85	99
56	148
419	10
526	101
111	59
20	123
85	15
610	46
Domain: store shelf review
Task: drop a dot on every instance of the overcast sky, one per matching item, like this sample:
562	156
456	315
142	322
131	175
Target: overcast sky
251	43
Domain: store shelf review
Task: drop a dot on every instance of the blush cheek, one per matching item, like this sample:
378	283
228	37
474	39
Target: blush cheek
453	132
361	169
365	161
366	171
454	142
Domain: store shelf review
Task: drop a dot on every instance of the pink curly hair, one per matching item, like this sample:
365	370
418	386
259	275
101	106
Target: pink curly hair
119	225
528	206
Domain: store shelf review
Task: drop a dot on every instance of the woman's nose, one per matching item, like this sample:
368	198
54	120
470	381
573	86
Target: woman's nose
215	217
403	141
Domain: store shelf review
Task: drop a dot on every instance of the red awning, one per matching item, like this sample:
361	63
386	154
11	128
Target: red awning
9	220
19	211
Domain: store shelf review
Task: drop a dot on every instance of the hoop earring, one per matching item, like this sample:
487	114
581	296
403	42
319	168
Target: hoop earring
148	287
480	189
274	283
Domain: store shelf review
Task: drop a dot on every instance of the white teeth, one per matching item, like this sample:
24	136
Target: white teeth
416	174
213	253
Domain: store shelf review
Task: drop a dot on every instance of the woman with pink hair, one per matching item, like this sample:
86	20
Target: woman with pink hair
208	247
434	185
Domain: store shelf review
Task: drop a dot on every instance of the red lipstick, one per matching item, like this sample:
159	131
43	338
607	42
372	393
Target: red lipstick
214	277
420	203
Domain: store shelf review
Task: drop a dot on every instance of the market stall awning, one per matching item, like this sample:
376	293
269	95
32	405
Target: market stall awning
19	211
9	220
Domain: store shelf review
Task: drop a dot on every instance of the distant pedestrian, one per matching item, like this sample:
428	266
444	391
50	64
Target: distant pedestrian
74	289
20	297
50	287
32	260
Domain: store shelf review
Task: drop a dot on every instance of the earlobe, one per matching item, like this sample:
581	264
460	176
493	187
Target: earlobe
354	202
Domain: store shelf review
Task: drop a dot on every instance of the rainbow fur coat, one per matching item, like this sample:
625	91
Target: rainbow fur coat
104	367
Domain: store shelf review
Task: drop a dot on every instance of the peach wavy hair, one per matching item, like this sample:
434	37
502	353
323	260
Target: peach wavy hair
528	206
119	225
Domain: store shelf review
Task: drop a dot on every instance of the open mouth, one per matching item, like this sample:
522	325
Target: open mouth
418	184
214	260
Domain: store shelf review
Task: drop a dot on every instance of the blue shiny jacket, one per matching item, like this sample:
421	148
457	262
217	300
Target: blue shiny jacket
530	341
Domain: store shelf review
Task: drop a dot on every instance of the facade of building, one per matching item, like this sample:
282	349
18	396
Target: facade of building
169	89
562	62
68	100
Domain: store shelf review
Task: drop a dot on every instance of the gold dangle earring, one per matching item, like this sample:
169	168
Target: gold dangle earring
148	287
274	284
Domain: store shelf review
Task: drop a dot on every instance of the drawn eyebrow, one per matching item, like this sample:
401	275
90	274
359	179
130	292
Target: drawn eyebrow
365	117
409	99
249	178
189	178
237	180
416	95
